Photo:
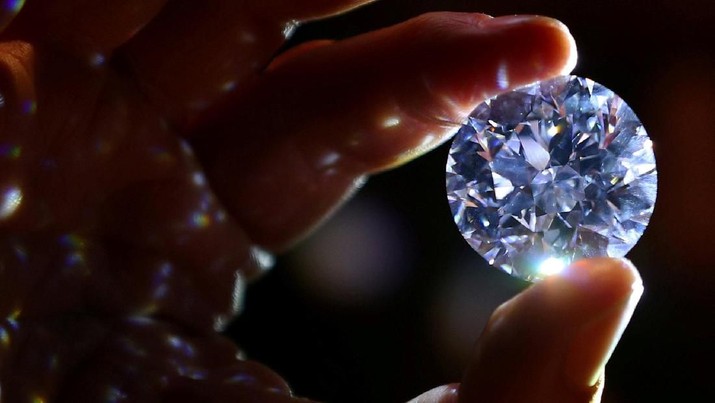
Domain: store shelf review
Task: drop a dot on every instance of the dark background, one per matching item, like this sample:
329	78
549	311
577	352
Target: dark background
385	301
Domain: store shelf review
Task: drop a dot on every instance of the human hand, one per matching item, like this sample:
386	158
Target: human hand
152	152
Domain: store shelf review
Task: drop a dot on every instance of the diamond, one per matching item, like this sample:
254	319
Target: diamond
549	173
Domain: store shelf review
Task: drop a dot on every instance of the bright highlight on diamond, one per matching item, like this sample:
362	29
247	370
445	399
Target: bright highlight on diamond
551	265
550	173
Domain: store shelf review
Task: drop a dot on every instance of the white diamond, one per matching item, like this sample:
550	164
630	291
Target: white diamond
549	173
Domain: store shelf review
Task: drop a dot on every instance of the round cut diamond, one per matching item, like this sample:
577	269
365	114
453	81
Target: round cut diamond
549	173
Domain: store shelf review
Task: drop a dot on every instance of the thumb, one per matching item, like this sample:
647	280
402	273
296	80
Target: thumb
551	342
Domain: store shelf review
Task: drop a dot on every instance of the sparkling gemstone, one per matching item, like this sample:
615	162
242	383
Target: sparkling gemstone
549	173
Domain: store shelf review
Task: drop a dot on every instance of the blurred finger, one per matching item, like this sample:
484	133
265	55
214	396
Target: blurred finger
551	342
327	115
17	101
88	27
83	358
195	51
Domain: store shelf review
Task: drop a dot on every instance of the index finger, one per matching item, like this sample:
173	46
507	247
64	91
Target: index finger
285	153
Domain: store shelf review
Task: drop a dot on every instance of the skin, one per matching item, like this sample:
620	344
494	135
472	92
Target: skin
145	145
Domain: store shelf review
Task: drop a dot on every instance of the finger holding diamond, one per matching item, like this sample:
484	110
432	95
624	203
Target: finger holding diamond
386	97
551	342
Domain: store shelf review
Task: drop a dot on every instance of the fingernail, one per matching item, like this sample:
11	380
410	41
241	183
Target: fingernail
510	21
616	280
513	20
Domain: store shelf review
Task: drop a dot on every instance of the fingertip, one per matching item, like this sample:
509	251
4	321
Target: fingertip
538	48
596	339
564	53
571	50
467	58
581	290
463	59
557	37
611	280
553	340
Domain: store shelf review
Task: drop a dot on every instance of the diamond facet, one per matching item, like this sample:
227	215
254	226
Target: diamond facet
549	173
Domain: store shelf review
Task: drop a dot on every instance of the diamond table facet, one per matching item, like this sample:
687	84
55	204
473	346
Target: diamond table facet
550	173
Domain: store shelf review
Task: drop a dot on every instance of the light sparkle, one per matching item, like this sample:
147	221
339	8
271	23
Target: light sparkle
551	266
10	201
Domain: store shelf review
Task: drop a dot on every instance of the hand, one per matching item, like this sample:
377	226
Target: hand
153	154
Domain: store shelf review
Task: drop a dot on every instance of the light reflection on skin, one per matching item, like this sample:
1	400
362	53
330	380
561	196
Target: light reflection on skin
289	28
10	202
12	319
132	348
97	60
201	220
264	259
149	309
160	281
191	372
428	140
4	337
162	155
72	241
220	216
198	179
160	292
228	86
10	151
76	251
29	107
114	394
14	6
205	203
239	288
392	121
502	76
74	259
329	159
